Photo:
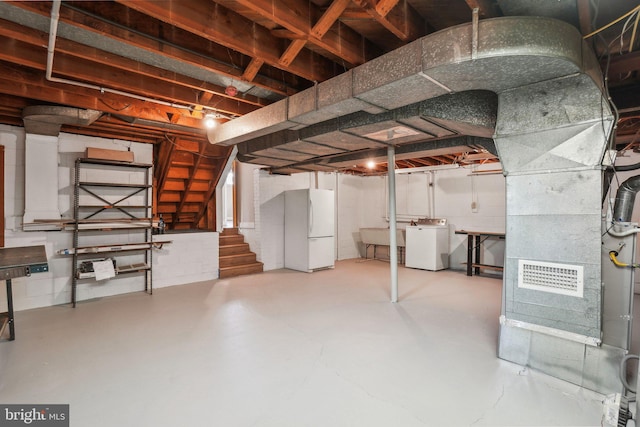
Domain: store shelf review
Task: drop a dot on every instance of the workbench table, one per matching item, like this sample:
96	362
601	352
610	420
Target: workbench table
475	240
18	262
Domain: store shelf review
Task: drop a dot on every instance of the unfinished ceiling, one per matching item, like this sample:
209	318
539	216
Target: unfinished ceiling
234	57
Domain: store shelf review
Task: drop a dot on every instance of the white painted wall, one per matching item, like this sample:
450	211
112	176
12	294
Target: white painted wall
350	200
246	183
455	192
190	257
373	202
54	287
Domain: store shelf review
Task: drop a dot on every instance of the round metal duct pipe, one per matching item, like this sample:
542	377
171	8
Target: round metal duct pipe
47	119
625	198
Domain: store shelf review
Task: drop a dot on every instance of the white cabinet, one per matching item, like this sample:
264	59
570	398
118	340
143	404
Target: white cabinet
427	247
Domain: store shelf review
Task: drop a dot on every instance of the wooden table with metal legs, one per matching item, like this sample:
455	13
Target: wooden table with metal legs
474	249
18	262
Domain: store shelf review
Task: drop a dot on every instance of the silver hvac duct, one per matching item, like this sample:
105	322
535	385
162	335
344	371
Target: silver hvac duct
551	131
625	198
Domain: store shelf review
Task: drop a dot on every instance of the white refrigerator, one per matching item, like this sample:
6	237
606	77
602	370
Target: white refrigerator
309	225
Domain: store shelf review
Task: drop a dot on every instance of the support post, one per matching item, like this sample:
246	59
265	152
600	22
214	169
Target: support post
393	244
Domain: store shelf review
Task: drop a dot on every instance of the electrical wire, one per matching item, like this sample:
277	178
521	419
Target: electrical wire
615	21
633	34
611	137
624	30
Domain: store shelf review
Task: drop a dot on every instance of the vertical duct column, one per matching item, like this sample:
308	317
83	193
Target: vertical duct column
41	178
551	137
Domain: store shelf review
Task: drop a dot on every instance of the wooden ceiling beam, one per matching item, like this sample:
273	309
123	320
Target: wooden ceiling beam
27	50
13	101
168	47
224	26
383	7
31	84
252	69
442	159
621	64
292	51
299	16
402	20
355	13
425	161
111	121
486	8
329	17
112	133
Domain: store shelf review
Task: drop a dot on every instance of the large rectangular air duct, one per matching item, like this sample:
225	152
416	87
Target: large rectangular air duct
552	127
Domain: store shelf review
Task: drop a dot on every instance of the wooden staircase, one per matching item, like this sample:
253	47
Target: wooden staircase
186	176
235	257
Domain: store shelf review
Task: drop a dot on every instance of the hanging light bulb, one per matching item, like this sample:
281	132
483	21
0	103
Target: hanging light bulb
371	164
210	121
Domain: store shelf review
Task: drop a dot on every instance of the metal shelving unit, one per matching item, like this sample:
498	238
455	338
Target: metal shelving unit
108	212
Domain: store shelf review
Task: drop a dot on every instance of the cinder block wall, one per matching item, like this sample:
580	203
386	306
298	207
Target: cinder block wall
54	287
362	202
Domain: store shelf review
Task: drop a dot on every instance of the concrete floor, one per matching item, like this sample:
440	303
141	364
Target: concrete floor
285	348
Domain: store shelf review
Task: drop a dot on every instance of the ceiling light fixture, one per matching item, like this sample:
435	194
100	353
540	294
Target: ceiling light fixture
371	164
210	121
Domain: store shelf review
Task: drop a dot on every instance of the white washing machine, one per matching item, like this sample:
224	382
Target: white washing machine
427	245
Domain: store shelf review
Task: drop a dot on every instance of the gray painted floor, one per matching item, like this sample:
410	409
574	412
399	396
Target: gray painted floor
287	349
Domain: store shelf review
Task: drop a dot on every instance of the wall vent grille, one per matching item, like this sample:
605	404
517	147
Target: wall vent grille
551	277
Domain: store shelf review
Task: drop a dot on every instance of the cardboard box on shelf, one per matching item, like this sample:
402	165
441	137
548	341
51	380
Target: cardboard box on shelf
105	154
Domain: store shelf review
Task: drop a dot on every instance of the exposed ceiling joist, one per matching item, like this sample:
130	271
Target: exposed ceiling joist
189	53
163	40
397	16
217	23
23	82
300	17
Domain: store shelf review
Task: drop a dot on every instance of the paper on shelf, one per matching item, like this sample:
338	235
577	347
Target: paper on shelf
104	269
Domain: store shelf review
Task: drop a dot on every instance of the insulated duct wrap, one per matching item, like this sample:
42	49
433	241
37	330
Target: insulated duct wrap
512	52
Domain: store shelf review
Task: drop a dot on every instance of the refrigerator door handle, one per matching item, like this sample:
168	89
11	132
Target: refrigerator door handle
310	216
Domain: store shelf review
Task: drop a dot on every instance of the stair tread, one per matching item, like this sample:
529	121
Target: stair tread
237	267
241	270
237	255
231	237
245	258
